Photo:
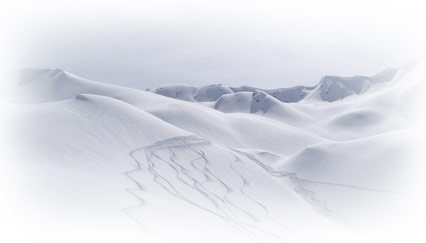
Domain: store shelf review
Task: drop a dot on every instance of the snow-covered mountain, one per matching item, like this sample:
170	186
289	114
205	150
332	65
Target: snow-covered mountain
216	163
330	88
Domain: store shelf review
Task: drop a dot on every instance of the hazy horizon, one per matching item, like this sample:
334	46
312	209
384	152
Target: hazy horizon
267	45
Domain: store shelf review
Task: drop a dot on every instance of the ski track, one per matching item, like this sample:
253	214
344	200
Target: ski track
218	204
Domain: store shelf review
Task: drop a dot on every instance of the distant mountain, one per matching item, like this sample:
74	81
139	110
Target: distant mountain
330	88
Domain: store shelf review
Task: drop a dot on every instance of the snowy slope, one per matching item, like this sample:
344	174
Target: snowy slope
253	164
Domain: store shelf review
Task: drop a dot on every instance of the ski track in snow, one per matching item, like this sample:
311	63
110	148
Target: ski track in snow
310	195
219	205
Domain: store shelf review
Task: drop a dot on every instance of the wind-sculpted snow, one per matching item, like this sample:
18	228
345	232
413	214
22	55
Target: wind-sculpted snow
257	164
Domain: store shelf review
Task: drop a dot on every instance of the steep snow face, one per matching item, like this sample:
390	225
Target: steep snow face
332	88
260	102
268	164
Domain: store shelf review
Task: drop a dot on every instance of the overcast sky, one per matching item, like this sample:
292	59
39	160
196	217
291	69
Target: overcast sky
261	43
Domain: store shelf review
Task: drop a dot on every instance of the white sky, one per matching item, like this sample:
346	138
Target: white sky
260	43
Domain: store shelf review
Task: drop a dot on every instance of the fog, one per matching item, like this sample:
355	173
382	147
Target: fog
260	43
